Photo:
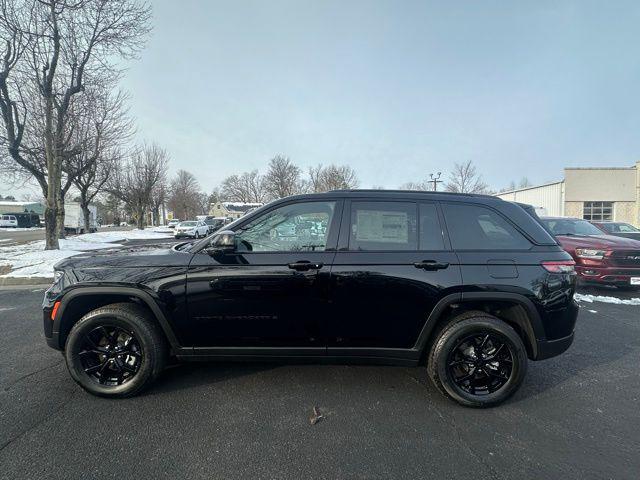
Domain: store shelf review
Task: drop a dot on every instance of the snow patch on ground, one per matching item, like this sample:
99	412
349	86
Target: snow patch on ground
604	299
161	229
122	236
32	260
11	229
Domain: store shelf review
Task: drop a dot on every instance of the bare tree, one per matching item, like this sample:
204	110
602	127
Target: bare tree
283	178
133	182
524	183
203	203
332	177
316	179
215	196
184	197
425	185
54	50
248	187
101	127
158	201
465	179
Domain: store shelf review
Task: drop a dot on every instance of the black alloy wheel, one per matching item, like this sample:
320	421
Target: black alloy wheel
116	350
110	355
480	363
477	359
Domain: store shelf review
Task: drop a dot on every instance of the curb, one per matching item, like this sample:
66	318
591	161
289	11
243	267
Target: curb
11	281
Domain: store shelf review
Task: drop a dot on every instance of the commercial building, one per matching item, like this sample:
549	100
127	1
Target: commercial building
598	194
7	206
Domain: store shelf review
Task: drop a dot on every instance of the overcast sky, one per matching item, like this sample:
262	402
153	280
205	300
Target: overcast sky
395	89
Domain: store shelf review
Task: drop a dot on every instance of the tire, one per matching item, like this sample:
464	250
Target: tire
467	364
103	369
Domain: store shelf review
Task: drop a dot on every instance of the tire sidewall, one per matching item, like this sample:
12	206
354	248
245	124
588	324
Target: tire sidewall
450	338
120	319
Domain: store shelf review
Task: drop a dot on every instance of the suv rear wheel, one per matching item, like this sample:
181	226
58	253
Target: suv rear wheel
116	350
477	360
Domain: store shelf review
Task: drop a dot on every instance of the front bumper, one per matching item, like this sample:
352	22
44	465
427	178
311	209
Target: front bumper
51	334
607	275
184	235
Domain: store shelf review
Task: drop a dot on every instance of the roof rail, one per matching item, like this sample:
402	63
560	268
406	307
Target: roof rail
378	190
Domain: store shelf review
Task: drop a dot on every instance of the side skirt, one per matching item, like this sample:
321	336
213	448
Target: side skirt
301	356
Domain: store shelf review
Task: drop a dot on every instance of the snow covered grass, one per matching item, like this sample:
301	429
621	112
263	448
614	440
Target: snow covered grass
11	229
161	229
32	260
124	235
605	299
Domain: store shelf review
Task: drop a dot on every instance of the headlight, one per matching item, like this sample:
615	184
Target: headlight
590	253
57	275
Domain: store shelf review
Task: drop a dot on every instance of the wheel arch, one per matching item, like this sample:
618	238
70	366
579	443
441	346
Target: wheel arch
514	309
80	301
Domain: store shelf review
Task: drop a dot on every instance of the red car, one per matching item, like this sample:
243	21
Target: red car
600	258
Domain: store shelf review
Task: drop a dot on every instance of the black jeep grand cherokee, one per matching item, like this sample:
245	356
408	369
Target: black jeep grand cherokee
470	286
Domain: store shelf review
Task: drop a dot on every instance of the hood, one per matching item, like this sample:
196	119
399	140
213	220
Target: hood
599	241
127	257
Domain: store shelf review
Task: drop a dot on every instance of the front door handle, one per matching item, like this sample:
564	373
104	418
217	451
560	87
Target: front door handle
431	265
305	265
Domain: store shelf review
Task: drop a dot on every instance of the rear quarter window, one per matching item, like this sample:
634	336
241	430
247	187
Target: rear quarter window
474	227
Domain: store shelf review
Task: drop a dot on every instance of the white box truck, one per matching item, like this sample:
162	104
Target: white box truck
74	219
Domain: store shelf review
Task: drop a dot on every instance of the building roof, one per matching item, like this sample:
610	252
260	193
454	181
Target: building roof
529	188
8	203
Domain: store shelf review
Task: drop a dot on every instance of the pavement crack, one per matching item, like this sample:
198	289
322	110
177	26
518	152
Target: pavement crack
15	382
465	444
42	421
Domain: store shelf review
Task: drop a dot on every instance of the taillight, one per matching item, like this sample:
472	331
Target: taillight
54	311
559	266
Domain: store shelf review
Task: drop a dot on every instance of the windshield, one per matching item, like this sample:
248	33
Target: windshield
187	224
570	226
620	228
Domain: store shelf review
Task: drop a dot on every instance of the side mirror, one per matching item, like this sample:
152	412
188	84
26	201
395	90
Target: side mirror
223	242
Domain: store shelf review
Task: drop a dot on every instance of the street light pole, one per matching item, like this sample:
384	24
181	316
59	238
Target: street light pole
435	180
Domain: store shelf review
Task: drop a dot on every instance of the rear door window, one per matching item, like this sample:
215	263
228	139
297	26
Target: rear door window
383	226
474	227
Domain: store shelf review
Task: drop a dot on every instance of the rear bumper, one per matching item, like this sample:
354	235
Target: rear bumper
552	348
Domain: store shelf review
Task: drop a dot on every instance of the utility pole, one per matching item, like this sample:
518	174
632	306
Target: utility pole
435	180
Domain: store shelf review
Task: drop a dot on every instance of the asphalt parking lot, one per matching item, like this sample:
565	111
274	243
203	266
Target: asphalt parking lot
576	417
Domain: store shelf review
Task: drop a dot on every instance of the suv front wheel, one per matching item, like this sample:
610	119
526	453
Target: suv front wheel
477	360
116	350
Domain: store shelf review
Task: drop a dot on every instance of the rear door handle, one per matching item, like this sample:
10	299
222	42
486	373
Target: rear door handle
431	265
305	265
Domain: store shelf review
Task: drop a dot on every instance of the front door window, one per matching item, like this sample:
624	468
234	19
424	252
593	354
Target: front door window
300	227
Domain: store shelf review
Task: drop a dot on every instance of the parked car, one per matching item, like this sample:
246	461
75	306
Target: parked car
173	223
27	219
8	221
600	258
619	229
192	229
470	286
214	223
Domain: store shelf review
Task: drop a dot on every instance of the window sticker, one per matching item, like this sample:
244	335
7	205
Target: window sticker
383	227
